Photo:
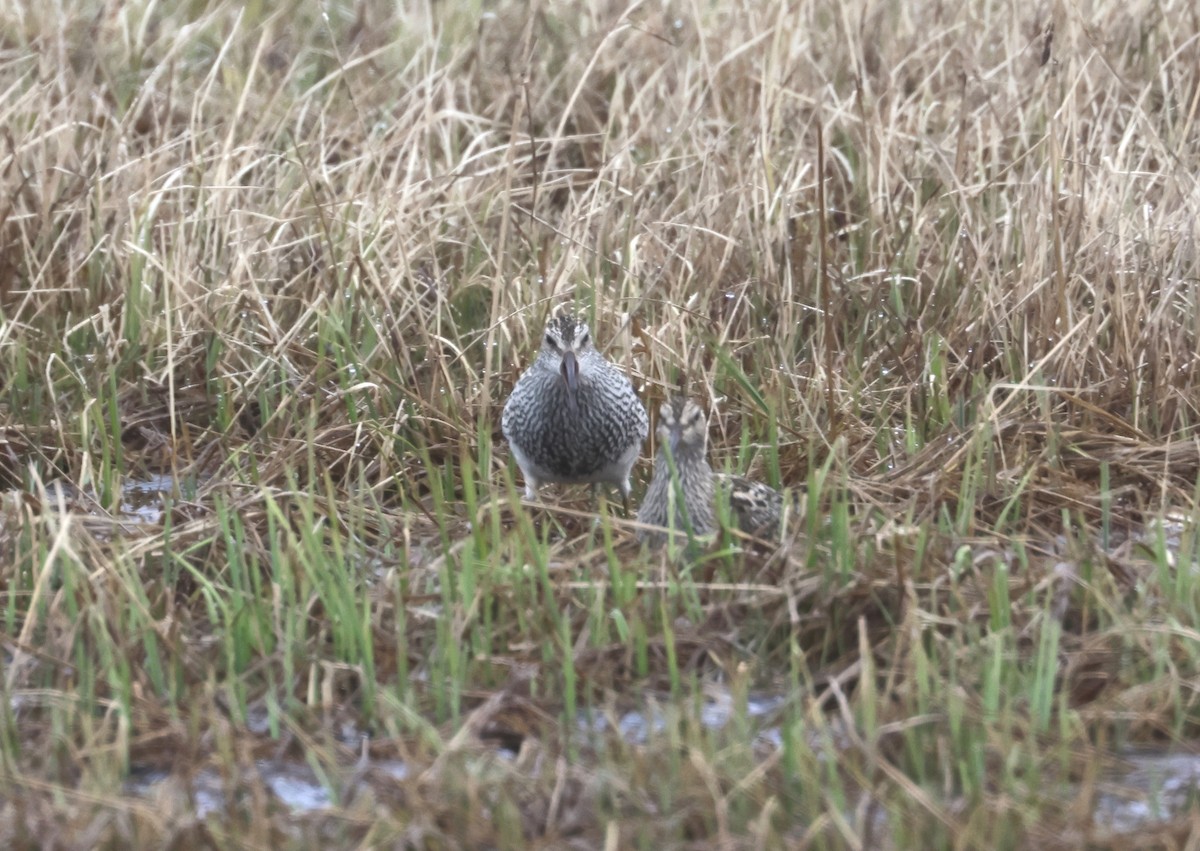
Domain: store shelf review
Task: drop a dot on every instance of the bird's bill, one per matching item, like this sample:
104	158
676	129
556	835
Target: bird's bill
570	371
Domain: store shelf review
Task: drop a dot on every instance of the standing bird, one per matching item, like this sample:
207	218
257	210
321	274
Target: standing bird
683	433
573	416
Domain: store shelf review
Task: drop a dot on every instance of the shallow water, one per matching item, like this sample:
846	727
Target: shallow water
292	784
144	500
1151	788
1147	789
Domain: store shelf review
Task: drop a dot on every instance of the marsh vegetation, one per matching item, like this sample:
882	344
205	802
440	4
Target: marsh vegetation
269	271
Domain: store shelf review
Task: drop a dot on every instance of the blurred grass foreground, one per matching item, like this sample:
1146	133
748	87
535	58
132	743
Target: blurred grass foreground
269	271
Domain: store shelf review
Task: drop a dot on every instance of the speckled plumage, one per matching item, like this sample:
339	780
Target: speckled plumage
573	416
683	431
754	507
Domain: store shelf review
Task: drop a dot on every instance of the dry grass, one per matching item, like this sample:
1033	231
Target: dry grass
936	266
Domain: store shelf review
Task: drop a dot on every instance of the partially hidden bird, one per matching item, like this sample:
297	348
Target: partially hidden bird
683	492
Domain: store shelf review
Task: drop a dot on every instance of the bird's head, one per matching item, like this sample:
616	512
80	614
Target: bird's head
566	341
682	426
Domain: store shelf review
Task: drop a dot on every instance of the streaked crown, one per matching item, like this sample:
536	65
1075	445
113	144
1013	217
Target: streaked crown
682	424
566	332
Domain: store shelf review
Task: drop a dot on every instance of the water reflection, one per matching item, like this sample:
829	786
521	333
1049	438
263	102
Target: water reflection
1147	790
142	499
142	502
636	727
1152	789
292	784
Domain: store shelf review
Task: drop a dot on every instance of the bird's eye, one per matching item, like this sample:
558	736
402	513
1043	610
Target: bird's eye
585	339
550	342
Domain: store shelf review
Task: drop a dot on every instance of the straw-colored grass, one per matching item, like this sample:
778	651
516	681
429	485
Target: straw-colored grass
934	267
